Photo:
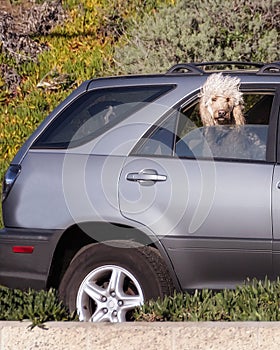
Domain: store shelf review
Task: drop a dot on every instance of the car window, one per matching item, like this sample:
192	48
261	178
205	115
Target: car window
183	135
161	139
95	112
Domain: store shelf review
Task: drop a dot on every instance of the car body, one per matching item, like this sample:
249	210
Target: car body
105	203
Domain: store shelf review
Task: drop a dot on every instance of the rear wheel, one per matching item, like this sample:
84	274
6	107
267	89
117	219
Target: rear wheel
105	282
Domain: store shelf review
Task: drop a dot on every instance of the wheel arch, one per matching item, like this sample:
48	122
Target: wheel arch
81	235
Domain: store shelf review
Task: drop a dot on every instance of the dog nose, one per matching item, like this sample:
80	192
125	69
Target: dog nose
221	113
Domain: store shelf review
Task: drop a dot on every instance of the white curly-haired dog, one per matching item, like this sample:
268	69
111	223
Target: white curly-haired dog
221	101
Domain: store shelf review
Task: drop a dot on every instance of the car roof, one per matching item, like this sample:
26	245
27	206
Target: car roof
198	72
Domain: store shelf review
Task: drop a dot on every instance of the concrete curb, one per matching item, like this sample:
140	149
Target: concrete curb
140	335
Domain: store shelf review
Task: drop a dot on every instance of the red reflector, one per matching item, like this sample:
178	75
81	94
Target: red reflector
27	249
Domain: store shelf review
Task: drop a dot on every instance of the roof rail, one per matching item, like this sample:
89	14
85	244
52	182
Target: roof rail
230	64
194	67
185	68
269	68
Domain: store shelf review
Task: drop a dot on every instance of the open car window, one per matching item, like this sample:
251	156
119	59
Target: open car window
182	134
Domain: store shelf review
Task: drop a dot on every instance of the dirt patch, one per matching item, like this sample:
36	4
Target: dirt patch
17	11
19	25
28	17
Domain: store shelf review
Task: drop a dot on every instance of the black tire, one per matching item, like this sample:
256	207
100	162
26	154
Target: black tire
144	275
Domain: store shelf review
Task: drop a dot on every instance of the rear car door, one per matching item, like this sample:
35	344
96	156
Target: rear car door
211	211
276	201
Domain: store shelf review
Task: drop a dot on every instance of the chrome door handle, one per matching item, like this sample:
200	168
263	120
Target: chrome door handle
146	176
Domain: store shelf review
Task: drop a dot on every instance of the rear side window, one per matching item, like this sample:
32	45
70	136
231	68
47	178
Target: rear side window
95	112
183	135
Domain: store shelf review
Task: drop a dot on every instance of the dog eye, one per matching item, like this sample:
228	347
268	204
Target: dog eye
228	99
214	99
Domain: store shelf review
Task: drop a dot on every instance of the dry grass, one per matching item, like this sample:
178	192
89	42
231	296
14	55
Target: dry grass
17	9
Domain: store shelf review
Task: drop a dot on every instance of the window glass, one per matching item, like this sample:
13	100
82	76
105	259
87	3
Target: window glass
161	139
190	139
94	113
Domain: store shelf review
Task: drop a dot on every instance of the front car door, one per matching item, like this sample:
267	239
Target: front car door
210	207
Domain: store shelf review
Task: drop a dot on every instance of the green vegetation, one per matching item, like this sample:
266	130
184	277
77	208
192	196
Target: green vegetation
37	307
203	30
257	301
254	301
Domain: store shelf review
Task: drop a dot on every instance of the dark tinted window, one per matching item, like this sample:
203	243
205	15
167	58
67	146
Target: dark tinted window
161	139
95	112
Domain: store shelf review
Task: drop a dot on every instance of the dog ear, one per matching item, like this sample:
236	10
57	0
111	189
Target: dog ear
238	114
205	116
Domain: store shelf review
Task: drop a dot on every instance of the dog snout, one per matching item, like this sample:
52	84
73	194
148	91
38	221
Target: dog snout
221	113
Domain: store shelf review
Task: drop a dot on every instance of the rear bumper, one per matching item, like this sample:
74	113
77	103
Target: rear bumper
26	270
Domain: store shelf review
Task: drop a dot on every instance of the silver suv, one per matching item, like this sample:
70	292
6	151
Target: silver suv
113	199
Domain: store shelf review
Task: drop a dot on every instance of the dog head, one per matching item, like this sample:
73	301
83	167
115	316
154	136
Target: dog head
221	101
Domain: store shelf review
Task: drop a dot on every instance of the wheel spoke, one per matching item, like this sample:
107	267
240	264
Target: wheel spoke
93	291
99	316
121	316
116	281
131	301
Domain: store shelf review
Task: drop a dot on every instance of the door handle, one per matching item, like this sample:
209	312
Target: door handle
146	177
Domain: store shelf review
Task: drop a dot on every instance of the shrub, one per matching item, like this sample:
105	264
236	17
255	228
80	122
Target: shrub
204	30
36	306
254	301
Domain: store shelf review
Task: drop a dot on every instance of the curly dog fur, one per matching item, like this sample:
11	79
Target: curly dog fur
221	101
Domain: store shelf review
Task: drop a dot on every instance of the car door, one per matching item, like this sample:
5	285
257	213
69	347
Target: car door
276	202
212	213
